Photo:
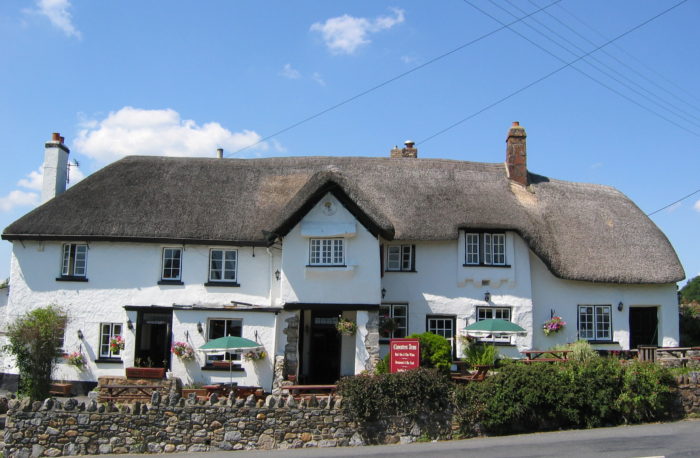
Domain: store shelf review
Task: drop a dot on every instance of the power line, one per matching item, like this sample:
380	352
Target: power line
608	87
390	80
674	203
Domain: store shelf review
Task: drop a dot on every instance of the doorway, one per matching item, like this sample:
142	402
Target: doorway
153	339
324	351
644	326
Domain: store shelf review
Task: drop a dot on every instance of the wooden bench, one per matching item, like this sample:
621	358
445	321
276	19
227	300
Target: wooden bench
478	376
553	356
119	392
299	391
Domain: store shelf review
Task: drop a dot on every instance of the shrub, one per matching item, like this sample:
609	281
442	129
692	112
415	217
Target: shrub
435	351
646	392
594	386
382	366
412	394
34	342
481	354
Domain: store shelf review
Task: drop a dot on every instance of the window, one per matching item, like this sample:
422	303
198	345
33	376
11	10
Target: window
393	321
443	326
172	263
222	265
485	249
488	313
594	322
326	252
401	258
109	331
221	328
74	260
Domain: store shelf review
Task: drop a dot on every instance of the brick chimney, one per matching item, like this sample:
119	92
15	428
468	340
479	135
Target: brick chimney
516	154
409	151
55	168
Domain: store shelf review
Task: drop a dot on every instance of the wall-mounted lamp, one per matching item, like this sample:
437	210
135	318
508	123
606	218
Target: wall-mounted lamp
620	306
80	334
487	296
130	325
199	328
278	274
383	292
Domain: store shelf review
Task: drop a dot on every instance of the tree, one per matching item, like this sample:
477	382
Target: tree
691	291
35	342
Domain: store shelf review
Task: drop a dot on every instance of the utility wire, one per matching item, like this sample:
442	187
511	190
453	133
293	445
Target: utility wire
391	80
600	62
674	203
608	87
548	75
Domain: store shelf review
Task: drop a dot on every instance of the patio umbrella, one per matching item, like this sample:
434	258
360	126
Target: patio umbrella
494	327
230	344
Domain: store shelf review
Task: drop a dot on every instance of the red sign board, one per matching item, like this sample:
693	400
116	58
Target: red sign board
404	354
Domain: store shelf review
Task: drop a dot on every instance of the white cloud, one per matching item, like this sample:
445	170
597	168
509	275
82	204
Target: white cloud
33	180
18	198
697	206
290	72
318	78
408	59
132	131
344	34
57	12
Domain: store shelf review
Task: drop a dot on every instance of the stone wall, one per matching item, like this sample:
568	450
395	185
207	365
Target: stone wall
689	393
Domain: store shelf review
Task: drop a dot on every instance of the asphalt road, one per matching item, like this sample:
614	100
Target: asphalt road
678	439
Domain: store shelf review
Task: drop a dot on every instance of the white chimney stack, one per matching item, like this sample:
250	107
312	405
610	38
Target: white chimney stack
55	168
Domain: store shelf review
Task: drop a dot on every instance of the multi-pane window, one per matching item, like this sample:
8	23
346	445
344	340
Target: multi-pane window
222	328
485	249
172	263
594	322
222	265
488	313
326	252
393	321
443	326
400	258
109	331
472	248
74	260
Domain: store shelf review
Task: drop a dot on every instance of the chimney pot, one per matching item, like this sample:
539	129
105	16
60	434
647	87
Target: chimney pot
55	137
409	151
62	140
516	154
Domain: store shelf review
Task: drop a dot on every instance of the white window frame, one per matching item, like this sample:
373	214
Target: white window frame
163	264
597	321
472	251
404	257
501	313
496	248
74	260
107	332
327	252
485	249
432	325
401	330
226	356
223	270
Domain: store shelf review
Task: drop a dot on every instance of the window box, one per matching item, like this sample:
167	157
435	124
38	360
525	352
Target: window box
71	278
145	372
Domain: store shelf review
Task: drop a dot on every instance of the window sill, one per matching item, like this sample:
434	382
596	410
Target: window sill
500	266
230	284
603	342
412	271
235	368
329	266
170	282
109	360
496	344
71	278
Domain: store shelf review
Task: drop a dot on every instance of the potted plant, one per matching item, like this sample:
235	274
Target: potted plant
387	326
76	359
553	325
116	344
183	350
254	355
346	327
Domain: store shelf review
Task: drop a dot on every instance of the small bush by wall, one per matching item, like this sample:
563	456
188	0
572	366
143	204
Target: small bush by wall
435	351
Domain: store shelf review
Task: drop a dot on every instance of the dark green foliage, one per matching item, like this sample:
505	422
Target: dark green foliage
435	351
689	323
410	394
597	392
691	291
34	342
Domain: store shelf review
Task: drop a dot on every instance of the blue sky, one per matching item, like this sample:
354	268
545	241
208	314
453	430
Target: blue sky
183	78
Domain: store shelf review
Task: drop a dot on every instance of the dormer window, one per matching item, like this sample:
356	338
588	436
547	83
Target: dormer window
74	262
327	252
485	249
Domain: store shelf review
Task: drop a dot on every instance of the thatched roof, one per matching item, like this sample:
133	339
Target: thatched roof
581	231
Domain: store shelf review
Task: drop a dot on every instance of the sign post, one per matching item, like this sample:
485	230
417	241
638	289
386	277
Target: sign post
404	355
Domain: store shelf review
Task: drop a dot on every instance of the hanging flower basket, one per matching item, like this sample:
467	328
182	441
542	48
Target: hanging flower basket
116	344
77	360
254	355
183	350
553	325
346	327
387	326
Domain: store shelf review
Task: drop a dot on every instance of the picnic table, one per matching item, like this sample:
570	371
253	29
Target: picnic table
308	390
478	376
224	389
127	392
551	356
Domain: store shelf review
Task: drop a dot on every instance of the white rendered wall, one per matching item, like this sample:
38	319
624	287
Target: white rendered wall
441	285
564	297
358	283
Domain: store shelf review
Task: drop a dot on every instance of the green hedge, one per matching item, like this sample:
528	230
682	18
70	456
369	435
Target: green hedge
536	397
